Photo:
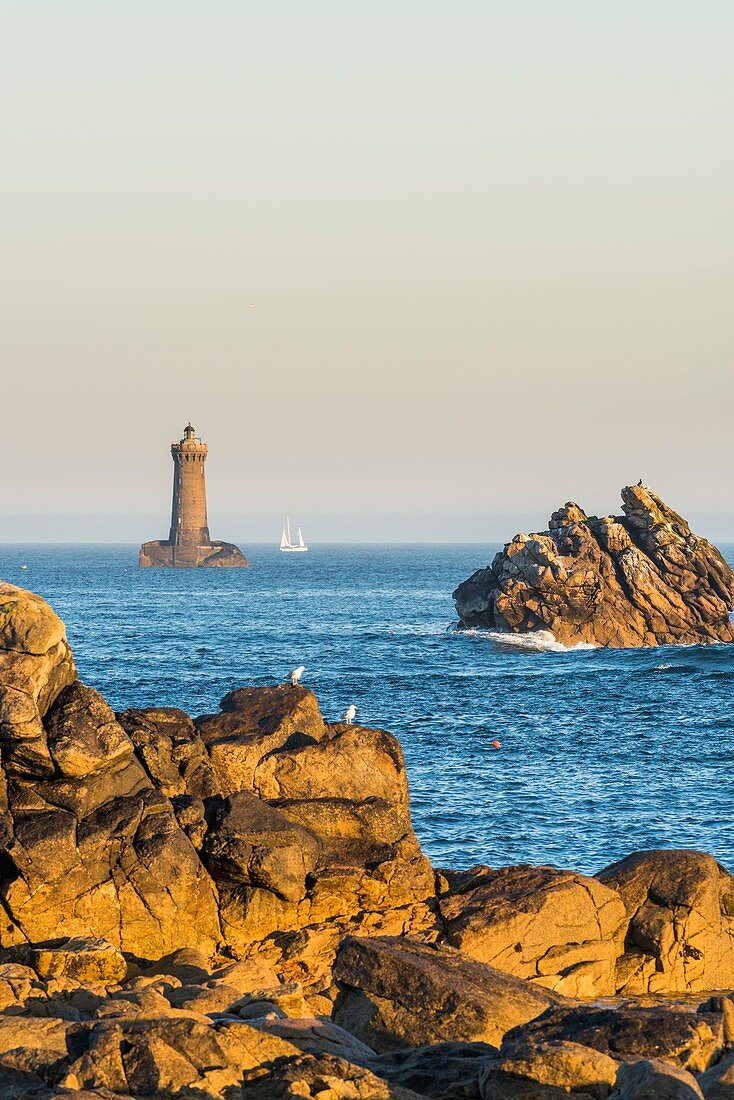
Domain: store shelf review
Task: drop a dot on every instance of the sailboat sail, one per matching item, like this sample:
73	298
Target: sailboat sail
285	541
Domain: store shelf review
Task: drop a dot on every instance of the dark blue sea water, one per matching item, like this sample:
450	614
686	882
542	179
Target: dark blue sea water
603	752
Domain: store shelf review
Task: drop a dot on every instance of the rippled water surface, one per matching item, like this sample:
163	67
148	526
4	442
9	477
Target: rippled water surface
603	751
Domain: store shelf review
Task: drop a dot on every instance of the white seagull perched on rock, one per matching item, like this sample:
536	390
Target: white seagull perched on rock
350	714
296	675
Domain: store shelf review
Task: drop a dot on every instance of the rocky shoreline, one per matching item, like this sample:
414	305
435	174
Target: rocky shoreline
639	579
237	905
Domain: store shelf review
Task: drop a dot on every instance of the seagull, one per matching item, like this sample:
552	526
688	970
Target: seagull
296	675
349	714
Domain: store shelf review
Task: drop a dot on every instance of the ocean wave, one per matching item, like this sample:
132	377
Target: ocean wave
536	641
670	669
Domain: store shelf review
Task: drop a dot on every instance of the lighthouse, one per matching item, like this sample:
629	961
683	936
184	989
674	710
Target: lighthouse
188	510
189	544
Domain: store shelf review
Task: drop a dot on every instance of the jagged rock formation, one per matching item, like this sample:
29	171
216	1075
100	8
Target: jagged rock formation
692	1040
679	922
547	1070
237	906
717	1083
633	580
261	823
560	930
394	992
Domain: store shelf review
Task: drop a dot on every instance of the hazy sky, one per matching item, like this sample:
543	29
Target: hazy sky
397	257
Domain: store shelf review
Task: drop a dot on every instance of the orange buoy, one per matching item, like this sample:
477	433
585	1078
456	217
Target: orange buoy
496	745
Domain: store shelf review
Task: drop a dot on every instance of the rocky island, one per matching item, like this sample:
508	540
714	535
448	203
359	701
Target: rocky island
639	579
236	905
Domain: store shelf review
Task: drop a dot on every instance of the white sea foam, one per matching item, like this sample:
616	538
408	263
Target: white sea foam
536	641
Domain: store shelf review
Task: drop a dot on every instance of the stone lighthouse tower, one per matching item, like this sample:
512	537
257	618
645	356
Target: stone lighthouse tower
188	544
188	512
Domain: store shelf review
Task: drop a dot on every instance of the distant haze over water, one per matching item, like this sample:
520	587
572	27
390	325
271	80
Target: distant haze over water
318	528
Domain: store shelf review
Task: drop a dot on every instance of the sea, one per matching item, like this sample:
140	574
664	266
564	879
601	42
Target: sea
602	752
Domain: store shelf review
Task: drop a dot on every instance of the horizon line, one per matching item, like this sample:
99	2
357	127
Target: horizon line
260	543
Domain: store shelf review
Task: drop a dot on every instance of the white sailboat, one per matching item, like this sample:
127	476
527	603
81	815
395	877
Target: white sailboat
288	547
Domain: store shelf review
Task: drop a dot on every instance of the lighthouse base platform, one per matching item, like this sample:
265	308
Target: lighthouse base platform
214	555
